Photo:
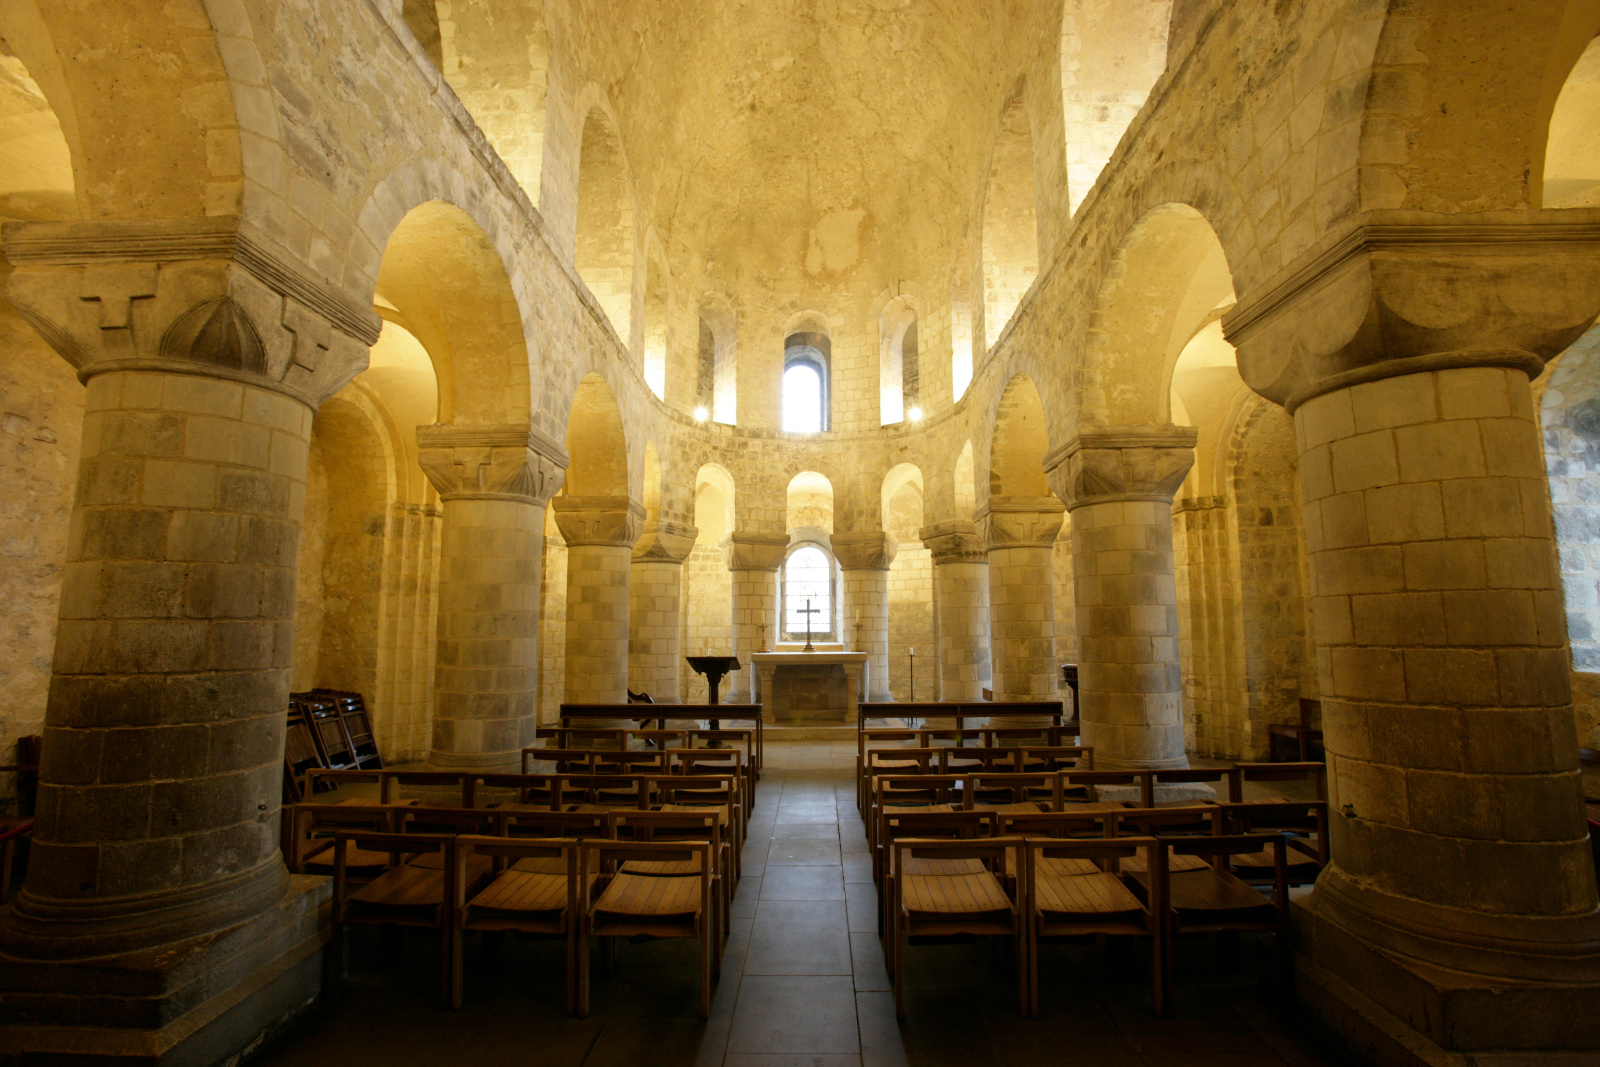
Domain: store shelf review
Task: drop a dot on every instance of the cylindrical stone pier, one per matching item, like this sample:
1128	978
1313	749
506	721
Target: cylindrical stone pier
1021	537
864	561
961	581
1454	791
655	596
163	740
600	532
753	561
1118	483
493	484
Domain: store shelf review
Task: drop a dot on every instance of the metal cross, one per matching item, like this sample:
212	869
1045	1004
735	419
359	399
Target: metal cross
808	611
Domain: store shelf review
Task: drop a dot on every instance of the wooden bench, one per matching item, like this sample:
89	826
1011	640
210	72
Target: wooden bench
959	710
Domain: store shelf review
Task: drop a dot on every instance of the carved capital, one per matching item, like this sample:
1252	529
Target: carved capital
1401	292
1021	522
491	462
756	552
954	542
667	542
211	296
864	551
1115	463
598	520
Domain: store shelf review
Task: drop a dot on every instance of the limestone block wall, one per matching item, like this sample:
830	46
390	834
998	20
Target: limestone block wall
911	621
41	425
1569	416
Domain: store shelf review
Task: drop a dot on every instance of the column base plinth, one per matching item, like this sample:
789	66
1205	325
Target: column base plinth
187	1004
1397	1010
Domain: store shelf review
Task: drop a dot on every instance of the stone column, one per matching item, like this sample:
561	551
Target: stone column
1461	894
600	532
961	581
1118	483
163	739
655	609
1021	534
753	560
864	561
493	484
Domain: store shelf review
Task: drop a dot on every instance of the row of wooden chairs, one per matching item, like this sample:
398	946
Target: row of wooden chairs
669	754
570	876
643	737
1152	872
688	716
945	759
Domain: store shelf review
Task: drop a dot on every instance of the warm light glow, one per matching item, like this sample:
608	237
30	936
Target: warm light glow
701	414
802	399
915	414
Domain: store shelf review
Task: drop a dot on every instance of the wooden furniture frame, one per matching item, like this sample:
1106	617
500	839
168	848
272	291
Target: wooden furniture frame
693	713
1302	735
534	891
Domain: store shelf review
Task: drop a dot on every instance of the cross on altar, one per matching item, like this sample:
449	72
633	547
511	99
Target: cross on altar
808	611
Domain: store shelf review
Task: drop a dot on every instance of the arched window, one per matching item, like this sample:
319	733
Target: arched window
805	383
808	582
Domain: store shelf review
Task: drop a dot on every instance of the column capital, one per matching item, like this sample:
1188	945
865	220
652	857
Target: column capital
872	551
598	520
491	462
1021	522
1108	464
1397	292
957	541
211	296
665	542
756	552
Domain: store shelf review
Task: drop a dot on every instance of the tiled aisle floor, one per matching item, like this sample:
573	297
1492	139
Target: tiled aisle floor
802	983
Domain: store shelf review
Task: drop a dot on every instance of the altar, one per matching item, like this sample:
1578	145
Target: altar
811	687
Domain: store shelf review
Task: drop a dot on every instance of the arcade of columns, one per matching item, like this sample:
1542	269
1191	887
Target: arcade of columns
522	548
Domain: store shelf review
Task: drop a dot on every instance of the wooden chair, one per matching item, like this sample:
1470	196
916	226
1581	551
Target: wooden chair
907	794
1311	771
1091	782
1196	820
717	793
300	754
310	828
1011	792
1221	778
1305	823
681	826
357	723
979	760
535	890
1056	758
926	824
404	895
1211	898
887	759
1075	888
1303	736
633	905
934	897
728	761
544	824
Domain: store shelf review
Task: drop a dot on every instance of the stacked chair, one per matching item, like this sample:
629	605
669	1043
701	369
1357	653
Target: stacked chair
1026	842
610	842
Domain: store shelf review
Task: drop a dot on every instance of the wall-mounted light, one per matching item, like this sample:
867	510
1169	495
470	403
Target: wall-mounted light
701	414
915	414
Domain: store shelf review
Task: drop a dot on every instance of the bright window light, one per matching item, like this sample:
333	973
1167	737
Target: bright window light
807	576
915	413
802	399
701	414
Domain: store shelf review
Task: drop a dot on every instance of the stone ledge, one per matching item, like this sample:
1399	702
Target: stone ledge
238	988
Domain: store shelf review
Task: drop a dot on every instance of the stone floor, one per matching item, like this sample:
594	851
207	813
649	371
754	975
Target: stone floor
803	983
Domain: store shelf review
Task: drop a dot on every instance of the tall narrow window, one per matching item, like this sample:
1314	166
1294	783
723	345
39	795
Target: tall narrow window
808	583
805	383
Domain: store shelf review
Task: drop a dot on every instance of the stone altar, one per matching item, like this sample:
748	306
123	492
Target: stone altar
854	667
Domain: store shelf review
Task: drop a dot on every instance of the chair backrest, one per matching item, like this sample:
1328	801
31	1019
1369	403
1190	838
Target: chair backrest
917	788
1014	787
1064	824
990	850
925	758
1108	853
994	760
1060	757
1316	773
1095	780
693	788
545	824
596	856
937	737
504	851
397	845
956	824
663	826
311	827
1275	816
1203	819
1222	777
523	789
689	760
411	819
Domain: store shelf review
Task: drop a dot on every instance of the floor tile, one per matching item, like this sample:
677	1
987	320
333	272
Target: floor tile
779	1014
802	883
798	937
804	852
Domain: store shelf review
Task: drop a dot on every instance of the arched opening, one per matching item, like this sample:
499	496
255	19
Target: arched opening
707	582
657	322
604	250
596	445
1016	459
41	419
1010	226
899	385
1112	54
809	581
910	583
448	284
718	371
1172	276
496	58
961	337
806	386
1572	152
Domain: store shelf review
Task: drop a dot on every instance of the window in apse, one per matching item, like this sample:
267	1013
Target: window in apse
802	399
808	574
